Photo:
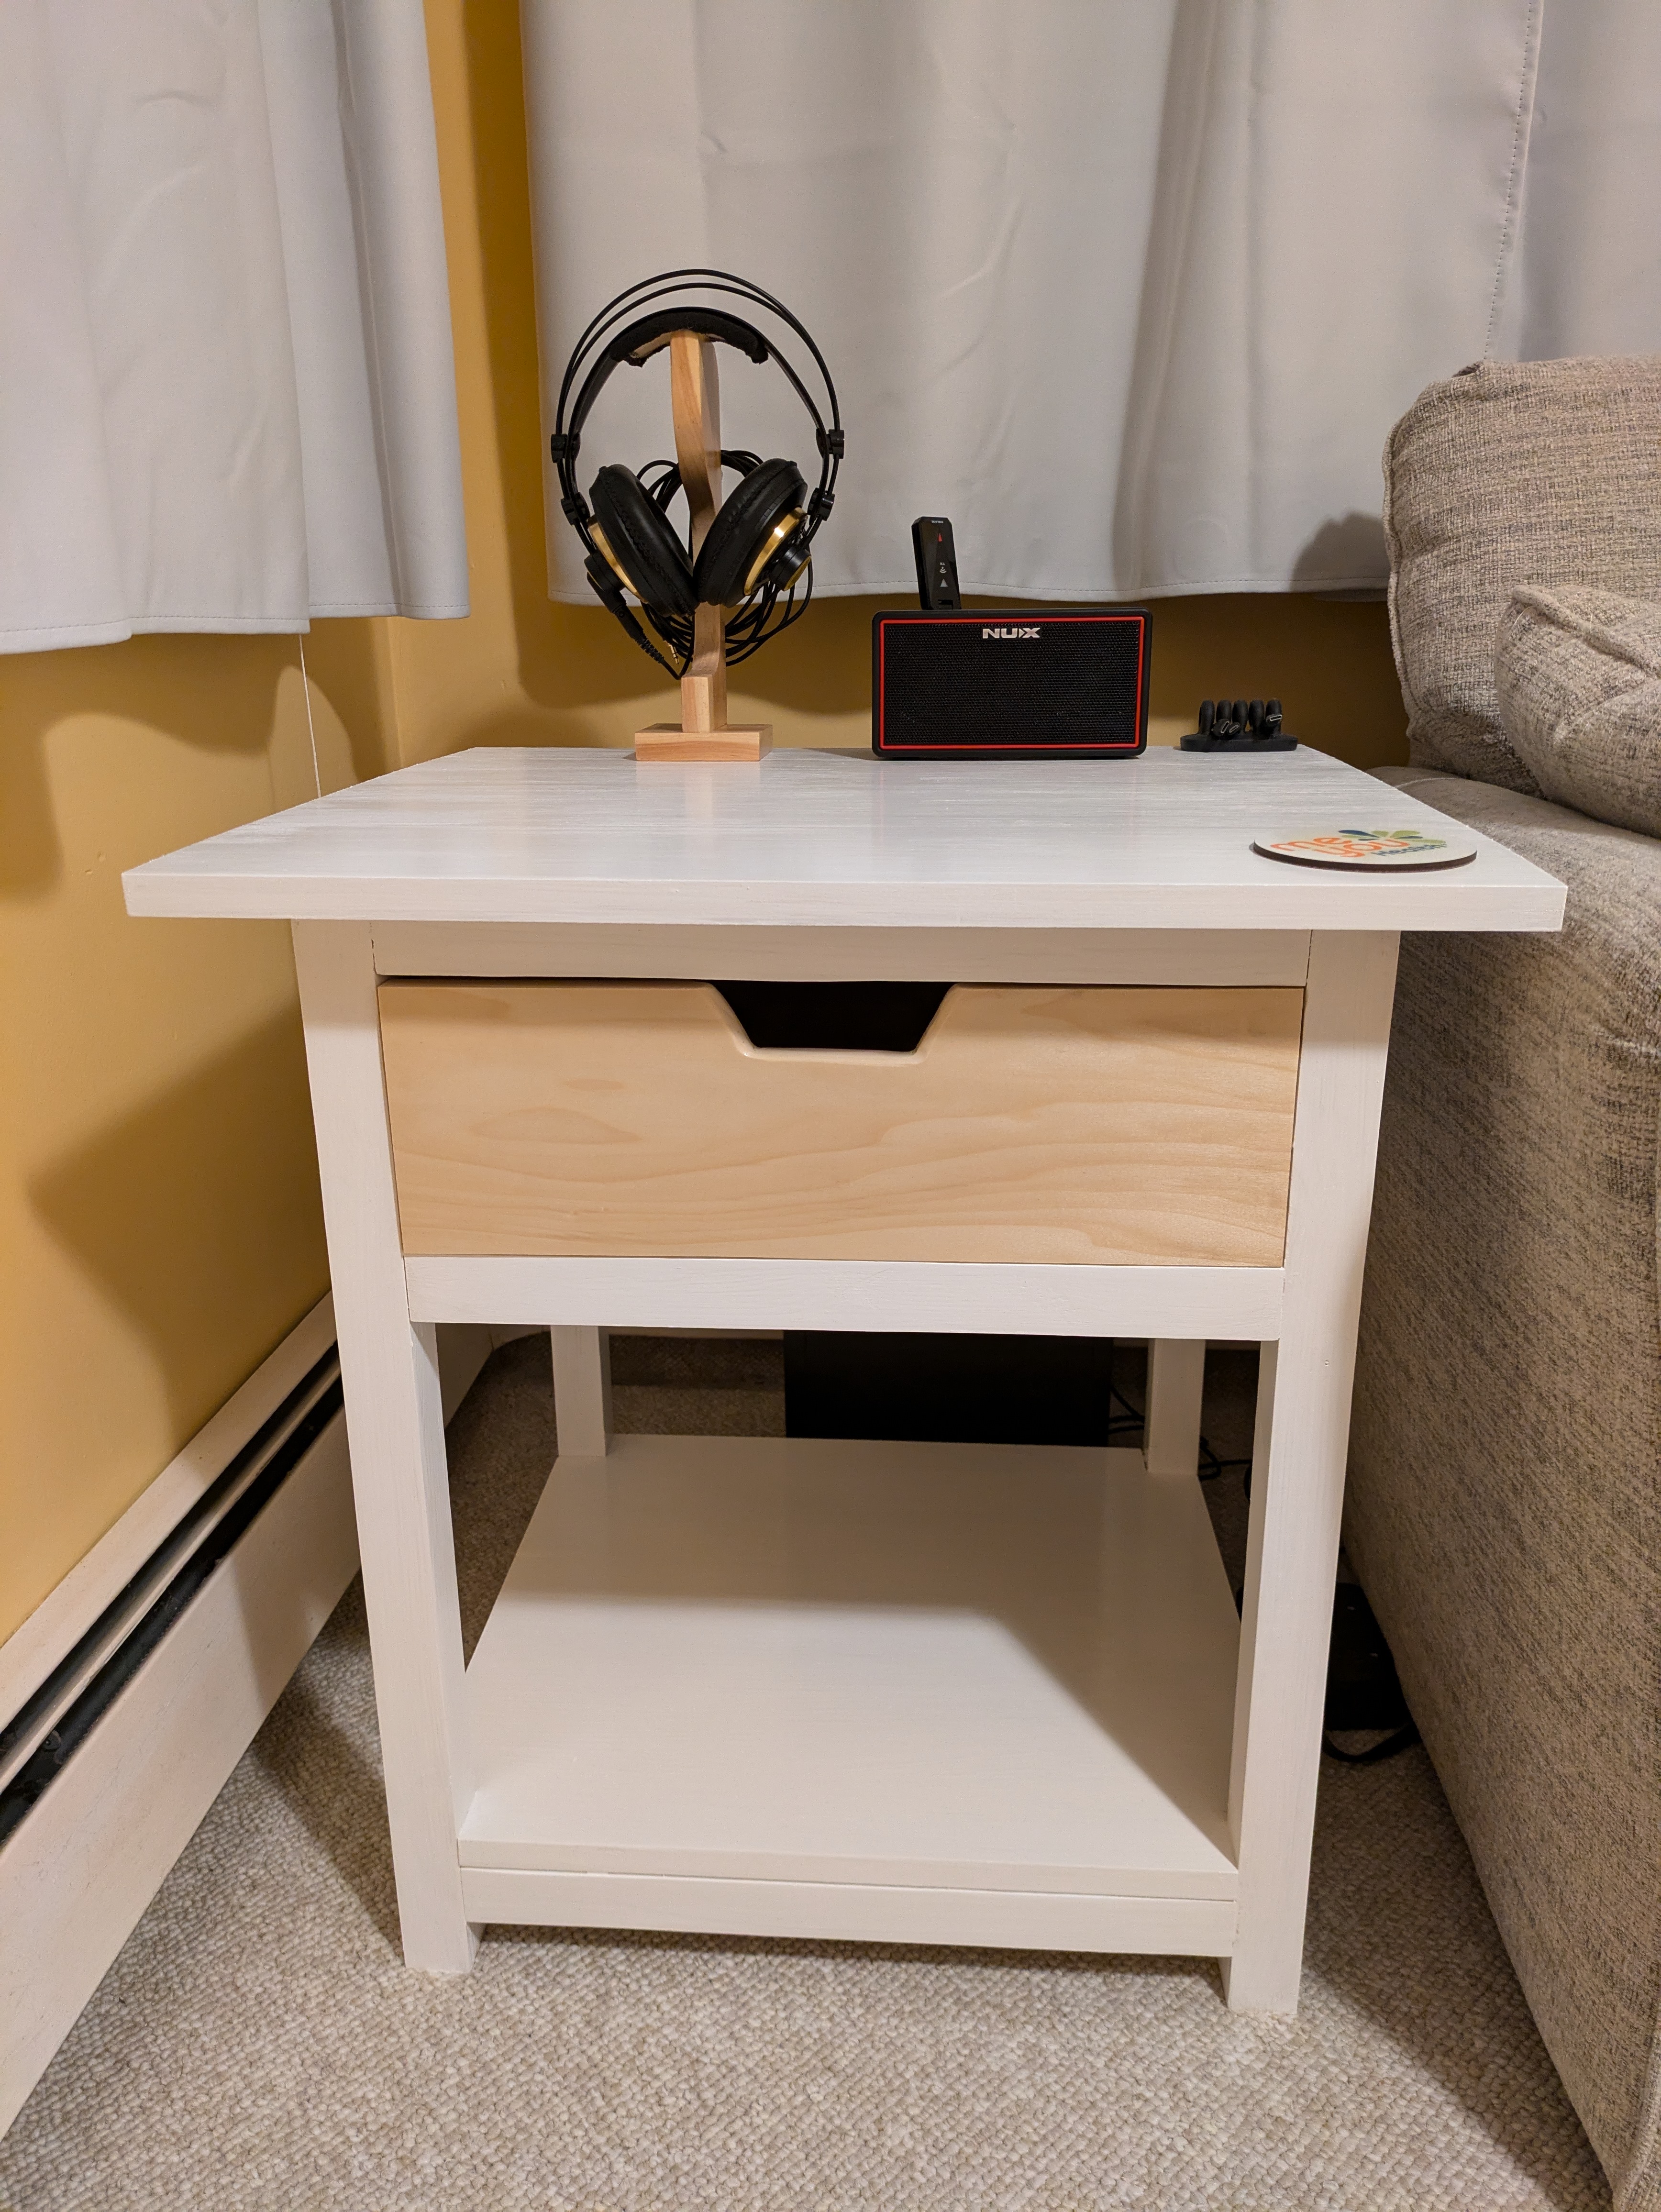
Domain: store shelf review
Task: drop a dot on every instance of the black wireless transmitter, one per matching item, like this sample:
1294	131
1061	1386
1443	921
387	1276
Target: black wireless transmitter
1239	725
937	564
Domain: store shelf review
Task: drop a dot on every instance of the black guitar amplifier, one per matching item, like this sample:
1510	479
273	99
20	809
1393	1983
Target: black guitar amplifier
960	685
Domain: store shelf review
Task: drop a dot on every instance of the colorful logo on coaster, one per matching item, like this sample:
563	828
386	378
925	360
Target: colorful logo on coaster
1368	849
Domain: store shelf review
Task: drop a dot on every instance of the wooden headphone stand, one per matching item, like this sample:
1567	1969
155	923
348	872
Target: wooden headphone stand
704	732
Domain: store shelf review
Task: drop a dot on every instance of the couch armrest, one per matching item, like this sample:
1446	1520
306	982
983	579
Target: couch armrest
1504	1502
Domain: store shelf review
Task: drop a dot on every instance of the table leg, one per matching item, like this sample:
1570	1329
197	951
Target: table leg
583	1392
1176	1379
395	1430
1297	1475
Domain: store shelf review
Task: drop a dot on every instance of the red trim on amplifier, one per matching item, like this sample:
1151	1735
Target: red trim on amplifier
1037	744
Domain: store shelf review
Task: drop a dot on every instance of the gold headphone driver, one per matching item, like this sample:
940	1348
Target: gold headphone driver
783	528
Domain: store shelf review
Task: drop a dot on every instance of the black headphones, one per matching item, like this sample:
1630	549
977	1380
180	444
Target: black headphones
759	546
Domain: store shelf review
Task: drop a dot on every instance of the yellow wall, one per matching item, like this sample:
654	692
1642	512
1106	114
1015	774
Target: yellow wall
158	1199
160	1227
521	671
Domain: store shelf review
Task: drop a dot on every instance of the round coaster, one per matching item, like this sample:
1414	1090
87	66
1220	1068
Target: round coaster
1369	849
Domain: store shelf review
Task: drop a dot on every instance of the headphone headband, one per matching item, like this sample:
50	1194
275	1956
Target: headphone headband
646	334
637	342
619	338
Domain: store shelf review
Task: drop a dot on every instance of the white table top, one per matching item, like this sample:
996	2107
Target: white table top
820	839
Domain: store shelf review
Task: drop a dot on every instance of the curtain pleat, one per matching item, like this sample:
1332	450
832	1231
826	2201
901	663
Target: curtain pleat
1587	274
1132	289
227	398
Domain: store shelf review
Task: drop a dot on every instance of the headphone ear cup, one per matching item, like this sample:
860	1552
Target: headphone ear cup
642	540
750	526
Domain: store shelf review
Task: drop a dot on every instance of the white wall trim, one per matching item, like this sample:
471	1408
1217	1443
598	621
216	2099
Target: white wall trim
51	1632
77	1873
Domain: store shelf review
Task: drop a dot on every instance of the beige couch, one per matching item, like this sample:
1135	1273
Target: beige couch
1505	1501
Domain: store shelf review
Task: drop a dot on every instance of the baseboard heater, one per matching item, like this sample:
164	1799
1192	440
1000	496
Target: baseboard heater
52	1725
127	1697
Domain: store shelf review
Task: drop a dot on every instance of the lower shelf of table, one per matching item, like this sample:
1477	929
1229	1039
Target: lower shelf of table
902	1693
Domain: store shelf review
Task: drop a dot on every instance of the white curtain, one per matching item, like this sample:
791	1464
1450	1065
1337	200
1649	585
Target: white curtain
1587	272
227	389
1132	289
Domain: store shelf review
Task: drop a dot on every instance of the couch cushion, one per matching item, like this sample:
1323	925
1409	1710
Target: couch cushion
1543	473
1504	1508
1579	677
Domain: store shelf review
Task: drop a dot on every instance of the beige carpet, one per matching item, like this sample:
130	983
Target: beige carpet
258	2044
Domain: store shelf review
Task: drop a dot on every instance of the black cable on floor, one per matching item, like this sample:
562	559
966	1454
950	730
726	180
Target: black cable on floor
1212	1466
1400	1739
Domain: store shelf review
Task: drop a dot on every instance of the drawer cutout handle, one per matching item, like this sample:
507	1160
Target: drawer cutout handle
834	1017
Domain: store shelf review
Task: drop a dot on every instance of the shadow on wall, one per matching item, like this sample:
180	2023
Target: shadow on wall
202	1202
226	706
1329	660
1349	546
217	694
347	663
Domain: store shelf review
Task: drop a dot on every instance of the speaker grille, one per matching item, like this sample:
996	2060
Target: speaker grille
993	681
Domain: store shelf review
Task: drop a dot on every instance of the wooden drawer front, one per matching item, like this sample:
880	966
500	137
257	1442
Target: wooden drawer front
1096	1126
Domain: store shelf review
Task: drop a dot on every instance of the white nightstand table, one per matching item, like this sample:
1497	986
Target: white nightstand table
900	1693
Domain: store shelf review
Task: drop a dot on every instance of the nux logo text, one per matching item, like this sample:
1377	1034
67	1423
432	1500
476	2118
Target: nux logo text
1013	629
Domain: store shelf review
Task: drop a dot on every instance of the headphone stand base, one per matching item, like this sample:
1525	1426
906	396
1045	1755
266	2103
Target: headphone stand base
667	741
704	732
